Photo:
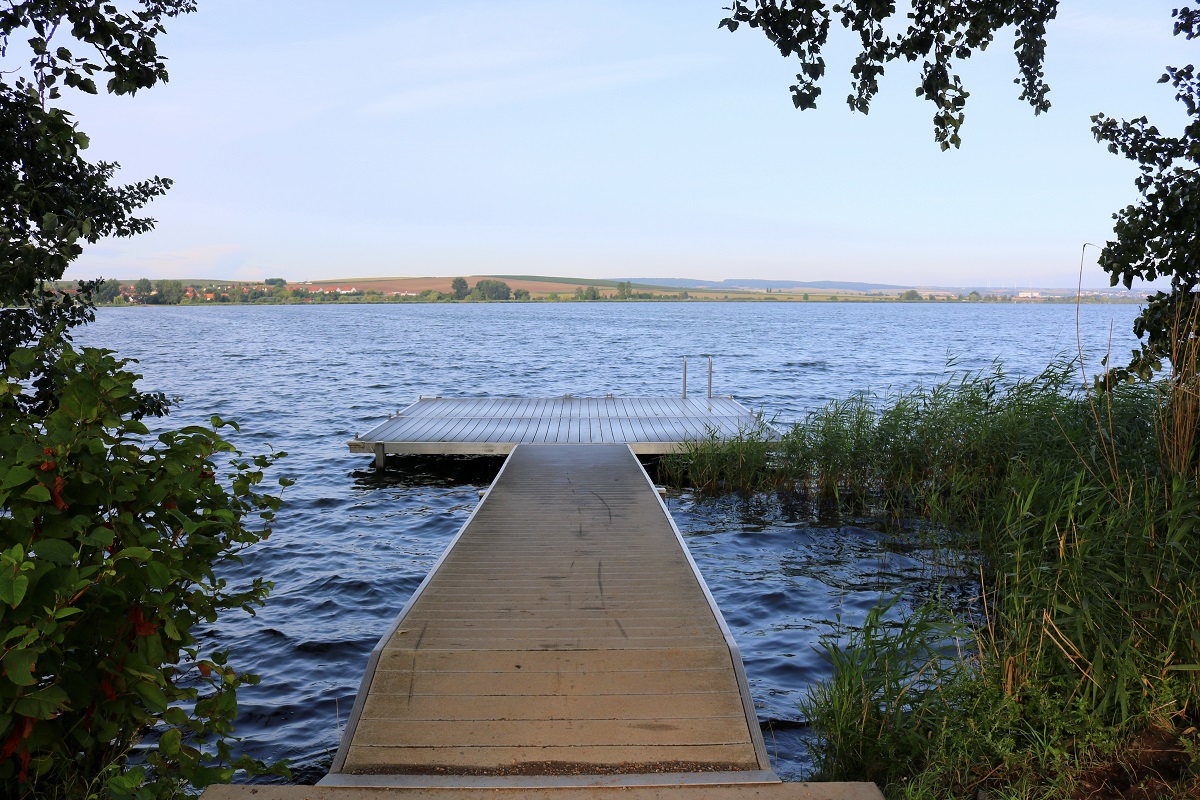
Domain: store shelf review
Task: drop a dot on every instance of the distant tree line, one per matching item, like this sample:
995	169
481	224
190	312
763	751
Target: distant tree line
278	290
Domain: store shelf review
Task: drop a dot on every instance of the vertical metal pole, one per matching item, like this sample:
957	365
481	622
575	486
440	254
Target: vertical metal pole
685	377
380	458
710	377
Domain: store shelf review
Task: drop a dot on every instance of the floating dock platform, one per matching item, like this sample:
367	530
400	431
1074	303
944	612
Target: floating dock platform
565	645
494	425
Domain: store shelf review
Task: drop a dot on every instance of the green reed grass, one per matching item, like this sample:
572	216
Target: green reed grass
1084	512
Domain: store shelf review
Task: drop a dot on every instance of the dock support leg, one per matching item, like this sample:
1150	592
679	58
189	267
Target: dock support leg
379	456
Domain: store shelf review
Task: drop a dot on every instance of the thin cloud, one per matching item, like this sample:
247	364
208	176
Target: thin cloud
546	81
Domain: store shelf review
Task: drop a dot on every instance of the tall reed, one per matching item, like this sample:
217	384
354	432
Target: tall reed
1083	510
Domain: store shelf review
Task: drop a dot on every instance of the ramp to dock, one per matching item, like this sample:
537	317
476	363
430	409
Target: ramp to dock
481	425
564	648
565	632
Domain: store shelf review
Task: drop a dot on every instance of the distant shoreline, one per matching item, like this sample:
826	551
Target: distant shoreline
347	301
536	289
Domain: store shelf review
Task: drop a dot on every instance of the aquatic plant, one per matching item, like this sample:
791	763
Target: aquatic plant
1079	666
717	463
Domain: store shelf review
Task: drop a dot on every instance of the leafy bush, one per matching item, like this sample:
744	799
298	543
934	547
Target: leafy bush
111	544
493	290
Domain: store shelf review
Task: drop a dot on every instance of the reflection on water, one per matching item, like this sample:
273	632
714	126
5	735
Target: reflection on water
352	544
422	471
783	584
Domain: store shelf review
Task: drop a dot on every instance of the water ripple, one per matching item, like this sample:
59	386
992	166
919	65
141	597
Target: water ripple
351	543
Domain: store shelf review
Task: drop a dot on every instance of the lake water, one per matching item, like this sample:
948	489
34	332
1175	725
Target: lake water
353	543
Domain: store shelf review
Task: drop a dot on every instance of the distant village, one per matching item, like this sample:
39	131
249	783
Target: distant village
272	290
429	290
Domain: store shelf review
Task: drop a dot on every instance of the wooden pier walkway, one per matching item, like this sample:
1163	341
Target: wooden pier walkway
564	647
565	632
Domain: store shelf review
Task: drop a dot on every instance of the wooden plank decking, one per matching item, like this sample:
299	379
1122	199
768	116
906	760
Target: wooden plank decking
496	425
566	631
563	648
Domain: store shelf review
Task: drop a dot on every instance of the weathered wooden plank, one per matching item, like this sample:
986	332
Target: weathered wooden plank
712	786
534	661
538	733
465	708
565	624
368	759
544	684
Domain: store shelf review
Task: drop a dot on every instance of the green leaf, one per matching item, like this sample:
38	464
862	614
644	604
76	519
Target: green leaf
207	776
175	716
136	553
37	493
55	551
42	704
100	537
153	696
18	666
16	476
12	587
169	742
15	633
124	785
159	576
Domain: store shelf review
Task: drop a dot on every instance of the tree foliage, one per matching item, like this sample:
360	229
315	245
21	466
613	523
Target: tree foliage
1155	238
111	541
458	287
53	198
493	290
937	33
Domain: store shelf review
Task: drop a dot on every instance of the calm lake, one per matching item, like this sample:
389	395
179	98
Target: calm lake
353	543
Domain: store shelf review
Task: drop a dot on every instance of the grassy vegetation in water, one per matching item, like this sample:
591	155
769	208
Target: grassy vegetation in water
1078	672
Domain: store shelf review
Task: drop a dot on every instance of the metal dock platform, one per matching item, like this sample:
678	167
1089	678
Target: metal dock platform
495	425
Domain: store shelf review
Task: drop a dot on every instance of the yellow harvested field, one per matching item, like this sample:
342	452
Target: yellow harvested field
418	285
545	287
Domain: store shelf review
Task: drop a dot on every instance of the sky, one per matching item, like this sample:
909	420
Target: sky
611	139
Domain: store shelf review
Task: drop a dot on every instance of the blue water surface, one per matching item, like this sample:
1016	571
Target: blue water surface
352	543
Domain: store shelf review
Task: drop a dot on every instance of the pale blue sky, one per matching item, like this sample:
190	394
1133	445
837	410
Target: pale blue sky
610	139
